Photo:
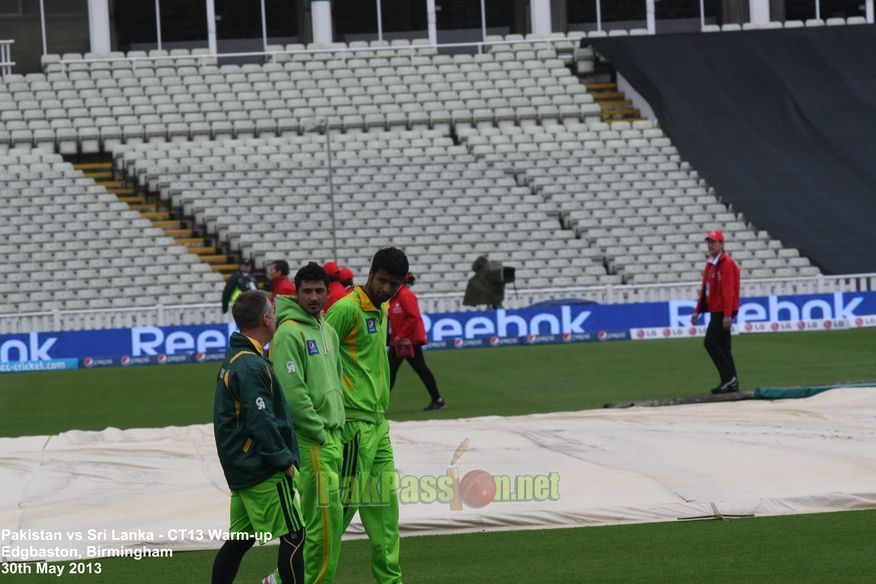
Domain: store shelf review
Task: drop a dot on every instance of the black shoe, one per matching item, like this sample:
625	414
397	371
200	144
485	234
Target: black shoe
438	404
727	387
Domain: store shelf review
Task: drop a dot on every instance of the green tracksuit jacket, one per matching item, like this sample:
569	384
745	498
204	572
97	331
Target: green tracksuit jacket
361	327
308	363
254	434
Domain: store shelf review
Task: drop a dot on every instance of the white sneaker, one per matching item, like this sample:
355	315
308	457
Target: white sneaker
270	579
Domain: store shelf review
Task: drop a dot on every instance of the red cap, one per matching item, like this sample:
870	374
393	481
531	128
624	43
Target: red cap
345	276
715	235
332	269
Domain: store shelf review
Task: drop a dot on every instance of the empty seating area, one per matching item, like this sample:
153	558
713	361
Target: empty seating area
67	244
413	189
449	157
91	107
625	192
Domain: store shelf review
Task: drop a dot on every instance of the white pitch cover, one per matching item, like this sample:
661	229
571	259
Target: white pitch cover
163	488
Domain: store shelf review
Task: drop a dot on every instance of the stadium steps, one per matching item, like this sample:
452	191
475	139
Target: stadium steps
159	213
614	103
185	231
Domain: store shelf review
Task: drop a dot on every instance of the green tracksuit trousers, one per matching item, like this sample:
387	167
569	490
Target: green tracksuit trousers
370	486
319	489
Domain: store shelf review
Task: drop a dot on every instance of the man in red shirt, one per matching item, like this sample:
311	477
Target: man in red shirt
278	272
336	289
719	296
407	335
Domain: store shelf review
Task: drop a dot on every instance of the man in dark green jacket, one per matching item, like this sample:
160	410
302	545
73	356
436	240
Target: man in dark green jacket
255	440
307	361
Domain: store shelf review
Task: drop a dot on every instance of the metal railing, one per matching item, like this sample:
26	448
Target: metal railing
6	62
628	294
108	318
210	313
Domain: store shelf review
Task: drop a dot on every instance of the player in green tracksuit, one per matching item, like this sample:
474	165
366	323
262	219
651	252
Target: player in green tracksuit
307	361
368	472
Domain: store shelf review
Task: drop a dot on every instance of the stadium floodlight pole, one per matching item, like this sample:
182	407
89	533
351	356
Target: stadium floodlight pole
321	125
702	14
599	15
264	28
211	27
43	27
379	21
483	23
431	22
650	16
158	23
818	9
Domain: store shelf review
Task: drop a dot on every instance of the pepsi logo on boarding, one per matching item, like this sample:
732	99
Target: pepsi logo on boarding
88	362
125	360
494	341
161	359
199	357
457	343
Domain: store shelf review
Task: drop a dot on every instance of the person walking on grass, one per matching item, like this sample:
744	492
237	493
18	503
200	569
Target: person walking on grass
407	335
719	296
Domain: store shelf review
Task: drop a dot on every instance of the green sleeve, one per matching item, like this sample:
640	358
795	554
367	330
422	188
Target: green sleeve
290	360
337	348
257	411
342	317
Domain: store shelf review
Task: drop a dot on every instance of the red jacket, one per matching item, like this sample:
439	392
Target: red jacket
336	292
720	289
282	286
405	321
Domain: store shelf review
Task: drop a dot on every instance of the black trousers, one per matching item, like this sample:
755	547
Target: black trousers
717	344
418	362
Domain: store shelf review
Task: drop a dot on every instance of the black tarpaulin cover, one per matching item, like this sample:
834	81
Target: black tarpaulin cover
781	122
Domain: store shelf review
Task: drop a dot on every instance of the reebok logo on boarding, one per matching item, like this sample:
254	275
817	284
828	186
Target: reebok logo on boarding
312	348
371	325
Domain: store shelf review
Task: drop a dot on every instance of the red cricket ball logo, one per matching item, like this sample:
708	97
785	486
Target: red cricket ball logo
476	489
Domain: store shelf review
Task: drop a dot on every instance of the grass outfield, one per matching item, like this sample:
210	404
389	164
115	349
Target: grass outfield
834	547
829	547
476	382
